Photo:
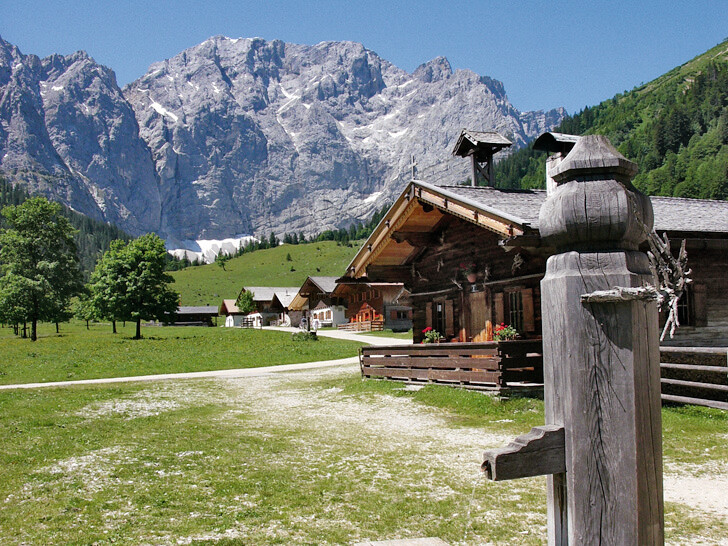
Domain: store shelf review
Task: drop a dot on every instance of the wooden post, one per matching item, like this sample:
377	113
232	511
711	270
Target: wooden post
601	360
474	170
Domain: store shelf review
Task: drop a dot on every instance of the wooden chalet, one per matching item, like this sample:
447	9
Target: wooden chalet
281	303
375	306
268	301
434	236
231	312
316	299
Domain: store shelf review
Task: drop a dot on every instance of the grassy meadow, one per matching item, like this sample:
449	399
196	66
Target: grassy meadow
210	284
77	353
315	457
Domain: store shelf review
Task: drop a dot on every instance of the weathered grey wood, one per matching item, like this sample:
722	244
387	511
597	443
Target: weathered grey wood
720	370
601	359
695	384
695	401
539	452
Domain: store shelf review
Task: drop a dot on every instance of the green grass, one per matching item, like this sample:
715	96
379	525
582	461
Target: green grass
209	284
80	354
289	458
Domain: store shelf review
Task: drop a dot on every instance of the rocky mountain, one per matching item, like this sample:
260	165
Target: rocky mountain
237	136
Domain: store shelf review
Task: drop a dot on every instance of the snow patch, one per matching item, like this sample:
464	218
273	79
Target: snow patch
57	88
162	111
373	197
398	133
206	250
215	89
287	94
170	78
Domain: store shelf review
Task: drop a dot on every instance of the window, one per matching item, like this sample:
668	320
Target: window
399	315
439	316
685	308
515	310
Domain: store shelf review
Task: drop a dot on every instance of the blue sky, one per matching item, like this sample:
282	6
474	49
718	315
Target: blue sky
547	54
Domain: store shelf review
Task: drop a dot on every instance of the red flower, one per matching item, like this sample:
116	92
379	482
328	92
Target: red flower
428	329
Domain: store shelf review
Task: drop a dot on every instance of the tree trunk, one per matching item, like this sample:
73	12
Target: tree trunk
113	326
58	331
25	330
34	330
87	328
138	329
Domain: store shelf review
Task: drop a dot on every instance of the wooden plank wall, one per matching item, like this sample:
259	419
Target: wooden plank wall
437	270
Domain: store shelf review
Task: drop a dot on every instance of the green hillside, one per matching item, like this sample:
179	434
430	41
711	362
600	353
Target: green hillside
674	127
209	284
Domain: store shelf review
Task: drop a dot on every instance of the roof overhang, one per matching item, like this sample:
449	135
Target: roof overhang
415	214
299	303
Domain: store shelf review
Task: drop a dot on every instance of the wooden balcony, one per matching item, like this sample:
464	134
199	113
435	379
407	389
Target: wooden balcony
500	366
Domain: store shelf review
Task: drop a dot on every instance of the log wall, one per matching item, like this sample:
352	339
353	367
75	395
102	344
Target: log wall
437	276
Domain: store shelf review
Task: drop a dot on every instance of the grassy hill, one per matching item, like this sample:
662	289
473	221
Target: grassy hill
674	127
209	284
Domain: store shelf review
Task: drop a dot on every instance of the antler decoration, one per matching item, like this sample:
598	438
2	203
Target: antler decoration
673	276
518	262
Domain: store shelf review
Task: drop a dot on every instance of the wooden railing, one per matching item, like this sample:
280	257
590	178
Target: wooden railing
689	375
490	365
694	375
363	326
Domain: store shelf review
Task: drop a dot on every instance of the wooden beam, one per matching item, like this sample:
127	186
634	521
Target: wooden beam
537	453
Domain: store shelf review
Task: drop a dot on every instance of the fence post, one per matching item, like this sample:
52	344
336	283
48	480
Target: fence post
601	447
601	360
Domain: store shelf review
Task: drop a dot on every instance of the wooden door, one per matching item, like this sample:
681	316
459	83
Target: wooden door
478	315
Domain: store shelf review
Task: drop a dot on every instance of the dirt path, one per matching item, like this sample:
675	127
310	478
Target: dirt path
702	488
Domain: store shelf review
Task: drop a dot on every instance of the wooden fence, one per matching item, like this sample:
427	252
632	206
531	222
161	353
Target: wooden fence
492	365
689	375
695	375
363	326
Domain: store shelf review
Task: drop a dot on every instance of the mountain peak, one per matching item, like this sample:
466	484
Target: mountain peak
244	135
435	70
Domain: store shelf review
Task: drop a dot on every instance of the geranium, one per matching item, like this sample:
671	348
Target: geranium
504	332
431	336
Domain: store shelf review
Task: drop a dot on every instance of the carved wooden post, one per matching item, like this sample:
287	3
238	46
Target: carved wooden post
601	356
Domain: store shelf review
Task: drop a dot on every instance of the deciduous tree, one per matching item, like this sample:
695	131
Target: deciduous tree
130	282
39	263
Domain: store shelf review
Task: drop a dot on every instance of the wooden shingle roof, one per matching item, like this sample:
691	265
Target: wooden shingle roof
509	213
482	144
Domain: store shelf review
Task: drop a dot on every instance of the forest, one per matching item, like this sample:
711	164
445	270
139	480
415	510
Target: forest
675	128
